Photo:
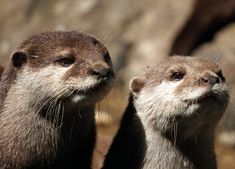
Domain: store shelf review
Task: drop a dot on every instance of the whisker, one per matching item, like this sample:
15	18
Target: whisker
217	57
108	111
49	112
175	133
108	38
62	118
98	111
58	114
54	112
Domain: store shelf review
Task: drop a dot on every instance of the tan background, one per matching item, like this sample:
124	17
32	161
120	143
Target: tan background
136	33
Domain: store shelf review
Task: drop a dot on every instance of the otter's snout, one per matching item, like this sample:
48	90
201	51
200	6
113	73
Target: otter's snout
210	79
102	72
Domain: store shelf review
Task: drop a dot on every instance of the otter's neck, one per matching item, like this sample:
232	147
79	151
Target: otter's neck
138	146
60	136
166	150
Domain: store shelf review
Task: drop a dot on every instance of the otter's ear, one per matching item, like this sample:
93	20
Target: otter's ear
136	85
18	59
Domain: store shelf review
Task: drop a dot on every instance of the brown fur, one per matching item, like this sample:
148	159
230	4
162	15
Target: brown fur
166	125
40	124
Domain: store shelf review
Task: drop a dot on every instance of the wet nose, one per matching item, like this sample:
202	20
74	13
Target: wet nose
210	79
102	72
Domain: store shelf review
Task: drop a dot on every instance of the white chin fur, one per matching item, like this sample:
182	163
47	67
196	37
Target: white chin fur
159	100
78	98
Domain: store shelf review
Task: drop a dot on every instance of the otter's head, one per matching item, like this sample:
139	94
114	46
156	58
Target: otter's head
188	91
70	66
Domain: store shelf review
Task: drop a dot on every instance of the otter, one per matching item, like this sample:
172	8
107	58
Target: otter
171	117
47	101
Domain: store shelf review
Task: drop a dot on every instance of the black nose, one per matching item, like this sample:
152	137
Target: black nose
102	72
210	79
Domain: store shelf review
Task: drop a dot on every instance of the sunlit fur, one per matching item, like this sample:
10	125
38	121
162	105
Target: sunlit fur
41	124
162	101
170	121
179	107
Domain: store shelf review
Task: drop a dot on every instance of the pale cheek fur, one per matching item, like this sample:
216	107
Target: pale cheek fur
83	84
159	100
50	80
163	100
46	81
192	93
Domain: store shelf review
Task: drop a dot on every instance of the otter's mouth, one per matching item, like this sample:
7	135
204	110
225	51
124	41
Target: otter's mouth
208	95
91	93
204	97
91	90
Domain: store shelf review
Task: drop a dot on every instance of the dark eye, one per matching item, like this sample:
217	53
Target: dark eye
66	62
106	57
220	74
177	76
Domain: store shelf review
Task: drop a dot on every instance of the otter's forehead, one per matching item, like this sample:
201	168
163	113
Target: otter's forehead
197	63
47	44
189	65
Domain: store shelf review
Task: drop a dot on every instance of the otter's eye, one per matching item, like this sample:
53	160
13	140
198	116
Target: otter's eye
177	76
66	62
220	74
106	57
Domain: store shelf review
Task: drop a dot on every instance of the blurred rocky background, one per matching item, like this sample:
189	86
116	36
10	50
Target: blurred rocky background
137	33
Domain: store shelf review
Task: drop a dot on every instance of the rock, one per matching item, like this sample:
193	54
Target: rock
207	18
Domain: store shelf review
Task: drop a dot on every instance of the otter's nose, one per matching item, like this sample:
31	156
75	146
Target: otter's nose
210	79
102	72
